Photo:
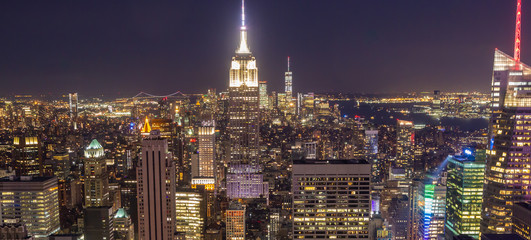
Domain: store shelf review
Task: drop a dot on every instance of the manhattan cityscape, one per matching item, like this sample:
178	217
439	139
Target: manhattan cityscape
152	121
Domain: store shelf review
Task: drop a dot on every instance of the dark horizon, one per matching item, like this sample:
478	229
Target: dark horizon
119	49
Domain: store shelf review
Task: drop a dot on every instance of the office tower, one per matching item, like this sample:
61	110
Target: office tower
99	223
28	156
207	155
155	189
264	98
331	199
32	201
431	200
244	118
96	176
464	194
235	221
124	228
522	219
508	158
288	84
243	103
190	213
405	140
73	108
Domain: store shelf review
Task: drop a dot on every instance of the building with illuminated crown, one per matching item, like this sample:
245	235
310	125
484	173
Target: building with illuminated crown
244	119
508	168
96	176
509	155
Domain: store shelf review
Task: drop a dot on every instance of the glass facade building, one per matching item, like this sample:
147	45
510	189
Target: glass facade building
508	166
464	195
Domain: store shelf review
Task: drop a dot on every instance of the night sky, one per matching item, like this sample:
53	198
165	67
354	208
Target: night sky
119	48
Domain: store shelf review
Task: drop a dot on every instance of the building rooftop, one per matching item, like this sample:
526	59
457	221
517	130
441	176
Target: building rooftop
25	179
331	161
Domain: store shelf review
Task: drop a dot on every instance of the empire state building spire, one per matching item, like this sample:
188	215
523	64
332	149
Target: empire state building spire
243	34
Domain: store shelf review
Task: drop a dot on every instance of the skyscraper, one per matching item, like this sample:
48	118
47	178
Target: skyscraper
33	201
96	176
331	199
264	98
288	78
243	117
73	108
207	155
508	157
464	194
244	103
235	221
405	140
156	189
431	200
28	156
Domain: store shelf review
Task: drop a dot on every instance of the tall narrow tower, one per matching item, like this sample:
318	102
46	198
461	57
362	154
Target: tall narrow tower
156	189
507	171
243	103
243	177
288	78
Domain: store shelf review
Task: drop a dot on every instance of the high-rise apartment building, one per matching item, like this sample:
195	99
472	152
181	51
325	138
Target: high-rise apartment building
235	221
156	189
405	141
96	176
32	201
464	194
190	213
508	163
431	202
331	199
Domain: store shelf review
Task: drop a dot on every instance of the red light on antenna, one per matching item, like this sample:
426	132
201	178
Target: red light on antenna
517	35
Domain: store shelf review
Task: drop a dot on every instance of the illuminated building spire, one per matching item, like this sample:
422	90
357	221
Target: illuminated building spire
288	63
517	35
243	34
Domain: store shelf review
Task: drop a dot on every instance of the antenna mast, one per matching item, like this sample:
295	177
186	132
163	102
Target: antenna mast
517	35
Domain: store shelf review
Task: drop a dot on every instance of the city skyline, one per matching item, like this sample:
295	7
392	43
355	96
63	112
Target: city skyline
114	49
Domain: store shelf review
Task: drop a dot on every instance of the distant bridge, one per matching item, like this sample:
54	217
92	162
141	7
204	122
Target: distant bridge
148	95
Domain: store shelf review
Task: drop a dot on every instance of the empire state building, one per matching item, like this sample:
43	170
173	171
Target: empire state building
244	103
244	179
